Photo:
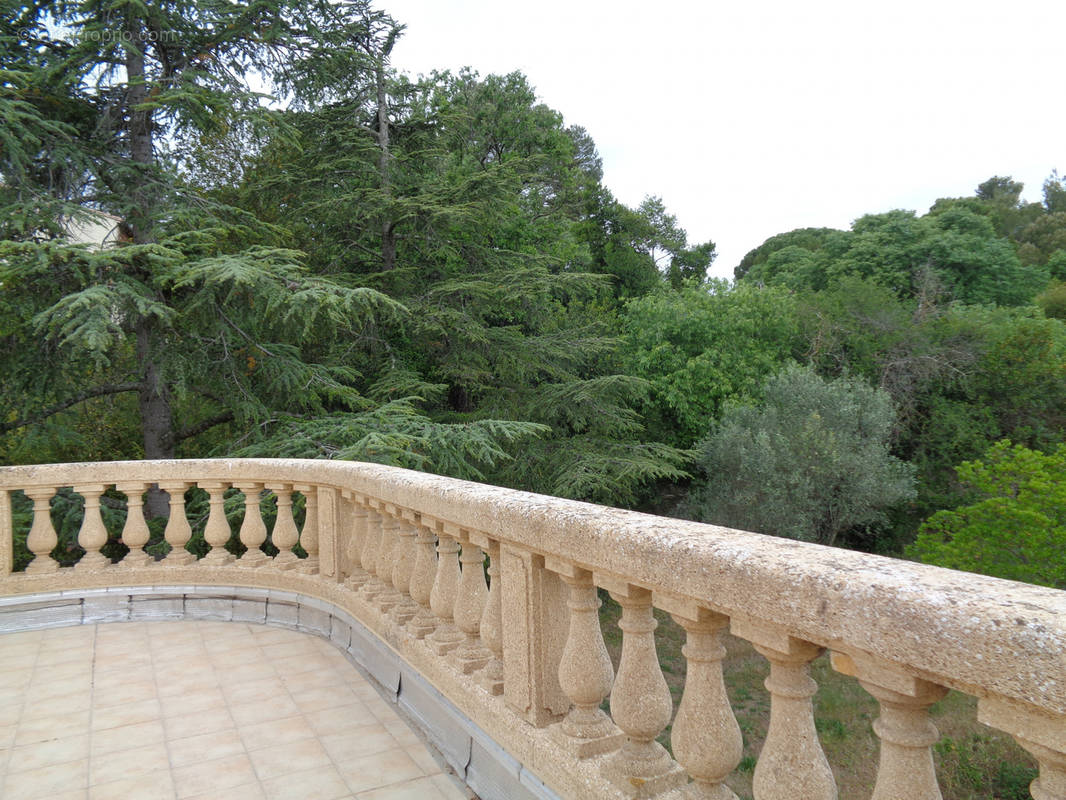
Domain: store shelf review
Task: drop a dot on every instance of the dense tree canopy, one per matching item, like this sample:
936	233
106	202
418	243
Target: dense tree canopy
1016	526
430	272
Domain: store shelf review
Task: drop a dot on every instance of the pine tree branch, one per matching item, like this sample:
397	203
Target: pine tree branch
203	425
96	391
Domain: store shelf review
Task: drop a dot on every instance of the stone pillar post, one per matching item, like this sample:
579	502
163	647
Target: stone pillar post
792	763
585	671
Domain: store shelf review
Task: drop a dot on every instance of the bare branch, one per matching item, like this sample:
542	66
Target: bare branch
203	425
96	391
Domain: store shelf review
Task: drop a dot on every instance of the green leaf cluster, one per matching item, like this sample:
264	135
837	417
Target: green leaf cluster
1015	528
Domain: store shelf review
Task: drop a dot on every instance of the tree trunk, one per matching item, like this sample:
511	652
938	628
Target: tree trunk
388	228
157	420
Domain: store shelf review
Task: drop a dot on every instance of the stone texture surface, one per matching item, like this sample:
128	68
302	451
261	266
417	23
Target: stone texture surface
999	640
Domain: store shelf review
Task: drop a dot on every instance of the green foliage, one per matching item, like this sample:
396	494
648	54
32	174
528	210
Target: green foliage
1015	528
809	463
701	347
1053	300
965	244
509	306
794	255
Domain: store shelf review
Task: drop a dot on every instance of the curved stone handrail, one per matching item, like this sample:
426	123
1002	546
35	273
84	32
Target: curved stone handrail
907	629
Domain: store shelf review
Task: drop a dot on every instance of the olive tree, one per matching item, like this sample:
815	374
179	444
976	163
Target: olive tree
810	462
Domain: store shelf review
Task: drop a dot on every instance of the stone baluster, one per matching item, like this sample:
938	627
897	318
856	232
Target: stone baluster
42	539
705	738
7	537
585	671
491	677
93	534
253	530
472	654
178	531
135	533
1041	732
388	597
906	771
641	704
373	586
309	534
423	623
404	567
357	533
285	534
792	763
217	531
445	591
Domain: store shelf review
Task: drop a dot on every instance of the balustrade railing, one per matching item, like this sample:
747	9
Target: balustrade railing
493	596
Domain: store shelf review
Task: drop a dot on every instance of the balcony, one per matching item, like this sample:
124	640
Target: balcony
507	676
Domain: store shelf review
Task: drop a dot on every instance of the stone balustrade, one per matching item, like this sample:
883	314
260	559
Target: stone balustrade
400	558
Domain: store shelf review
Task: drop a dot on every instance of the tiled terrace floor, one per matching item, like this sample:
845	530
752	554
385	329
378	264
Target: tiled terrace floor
222	710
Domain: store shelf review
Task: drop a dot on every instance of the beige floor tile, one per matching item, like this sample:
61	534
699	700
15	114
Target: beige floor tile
274	732
133	762
223	641
37	784
418	789
300	664
234	659
122	667
186	679
199	710
339	718
49	704
382	710
216	719
320	784
451	787
151	786
74	673
230	639
11	702
46	754
144	733
56	726
202	699
365	691
239	691
426	762
125	714
116	693
175	637
253	713
213	776
358	742
70	794
120	634
255	671
317	698
70	636
284	650
283	759
189	652
17	661
268	634
79	656
381	769
249	791
205	747
402	732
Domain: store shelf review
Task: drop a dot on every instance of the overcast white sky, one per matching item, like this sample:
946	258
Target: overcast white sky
754	117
